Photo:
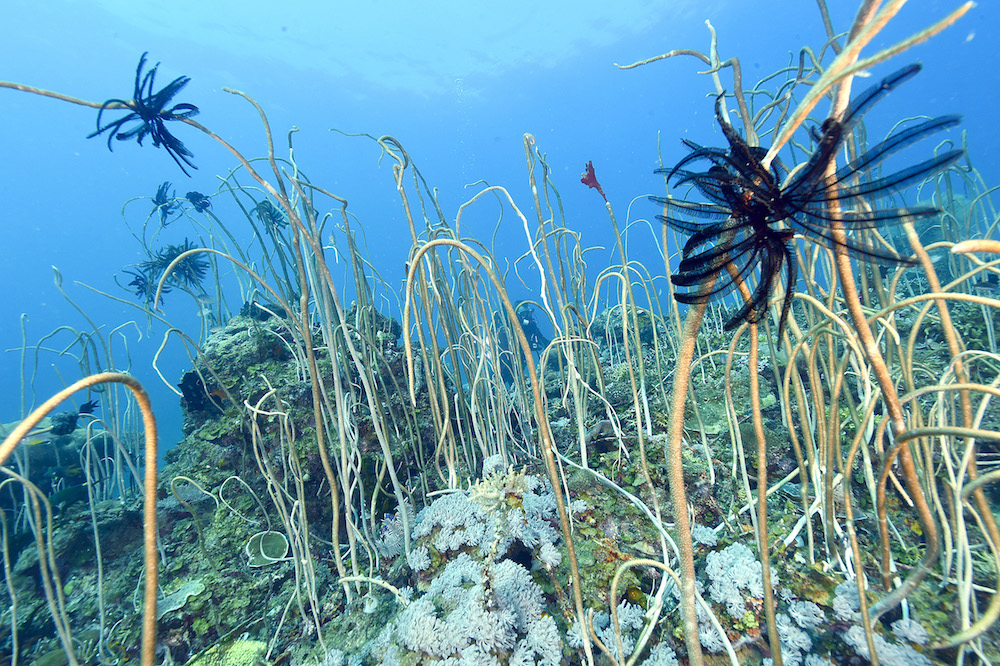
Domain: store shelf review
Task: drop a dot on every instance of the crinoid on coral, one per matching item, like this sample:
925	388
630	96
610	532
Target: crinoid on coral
188	273
88	407
143	284
147	109
270	215
200	202
747	203
164	202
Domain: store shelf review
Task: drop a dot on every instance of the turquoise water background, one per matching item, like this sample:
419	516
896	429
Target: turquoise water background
457	83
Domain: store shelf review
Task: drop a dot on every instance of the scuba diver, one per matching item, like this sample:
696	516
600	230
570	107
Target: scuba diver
525	311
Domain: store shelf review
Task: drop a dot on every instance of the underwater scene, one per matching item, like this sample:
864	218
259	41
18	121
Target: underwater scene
536	333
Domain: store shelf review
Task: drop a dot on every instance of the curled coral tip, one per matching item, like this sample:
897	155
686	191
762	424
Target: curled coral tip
976	245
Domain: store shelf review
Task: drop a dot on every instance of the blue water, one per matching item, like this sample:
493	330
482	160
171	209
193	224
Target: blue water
457	83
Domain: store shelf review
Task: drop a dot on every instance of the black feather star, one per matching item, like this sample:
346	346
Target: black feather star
741	237
144	283
200	202
88	407
147	109
187	273
164	202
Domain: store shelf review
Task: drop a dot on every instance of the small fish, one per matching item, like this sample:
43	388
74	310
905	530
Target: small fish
69	496
989	283
70	474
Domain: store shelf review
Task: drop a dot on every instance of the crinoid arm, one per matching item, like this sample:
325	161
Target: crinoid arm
115	125
901	179
160	99
717	184
695	268
163	202
144	282
817	190
732	255
772	258
866	218
860	250
896	142
702	210
163	196
716	155
835	132
175	148
737	257
862	103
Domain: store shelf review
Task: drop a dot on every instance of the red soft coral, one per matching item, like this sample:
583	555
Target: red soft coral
589	178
